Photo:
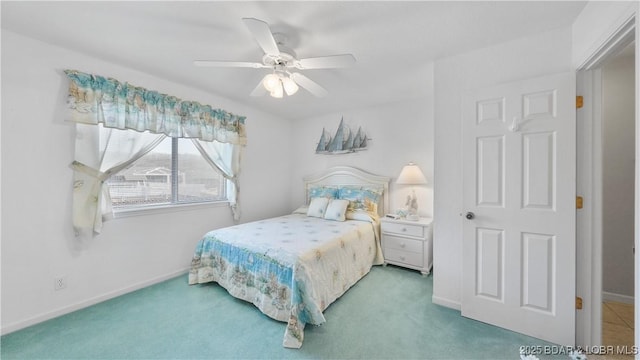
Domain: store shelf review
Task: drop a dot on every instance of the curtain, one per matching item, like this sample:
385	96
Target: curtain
228	163
93	165
106	110
95	99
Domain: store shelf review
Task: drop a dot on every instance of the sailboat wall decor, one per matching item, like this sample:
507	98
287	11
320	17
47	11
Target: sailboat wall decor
342	142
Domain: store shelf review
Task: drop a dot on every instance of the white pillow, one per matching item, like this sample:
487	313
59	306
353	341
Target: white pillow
318	206
336	210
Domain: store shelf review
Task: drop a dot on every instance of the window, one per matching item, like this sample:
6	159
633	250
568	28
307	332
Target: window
107	155
174	172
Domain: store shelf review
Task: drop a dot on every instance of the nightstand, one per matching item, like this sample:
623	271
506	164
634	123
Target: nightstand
408	243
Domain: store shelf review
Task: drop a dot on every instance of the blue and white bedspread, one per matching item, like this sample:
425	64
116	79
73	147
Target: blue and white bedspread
291	267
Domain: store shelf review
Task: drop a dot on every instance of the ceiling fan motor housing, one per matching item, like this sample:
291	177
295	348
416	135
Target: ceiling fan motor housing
287	56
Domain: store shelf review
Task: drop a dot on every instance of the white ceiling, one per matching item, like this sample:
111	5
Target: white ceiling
392	41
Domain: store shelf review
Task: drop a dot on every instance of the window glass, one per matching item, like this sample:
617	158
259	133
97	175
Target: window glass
198	181
174	172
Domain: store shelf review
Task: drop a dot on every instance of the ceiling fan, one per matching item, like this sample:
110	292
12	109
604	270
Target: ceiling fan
283	62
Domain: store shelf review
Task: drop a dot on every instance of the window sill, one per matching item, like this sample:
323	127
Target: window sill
164	209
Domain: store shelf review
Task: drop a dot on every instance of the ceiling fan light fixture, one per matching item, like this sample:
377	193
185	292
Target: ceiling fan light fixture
281	59
271	81
290	86
277	91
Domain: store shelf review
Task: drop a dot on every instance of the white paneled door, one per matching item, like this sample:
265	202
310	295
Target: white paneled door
519	166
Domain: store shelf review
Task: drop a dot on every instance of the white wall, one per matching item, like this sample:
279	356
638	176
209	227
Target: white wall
595	24
618	170
539	55
399	132
37	148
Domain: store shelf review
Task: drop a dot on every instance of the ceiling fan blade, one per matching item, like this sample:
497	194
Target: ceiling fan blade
326	62
263	35
309	84
259	90
215	63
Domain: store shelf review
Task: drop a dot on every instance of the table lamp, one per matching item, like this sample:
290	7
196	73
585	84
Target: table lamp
411	175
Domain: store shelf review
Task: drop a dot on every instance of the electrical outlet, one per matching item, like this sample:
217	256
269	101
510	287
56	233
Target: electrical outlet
60	283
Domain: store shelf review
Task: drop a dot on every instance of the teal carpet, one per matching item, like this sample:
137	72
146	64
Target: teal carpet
387	315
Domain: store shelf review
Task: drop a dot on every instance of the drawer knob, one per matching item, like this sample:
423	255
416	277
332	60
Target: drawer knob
402	258
402	245
404	229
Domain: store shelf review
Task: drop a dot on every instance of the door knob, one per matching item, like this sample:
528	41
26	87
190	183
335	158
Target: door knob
469	215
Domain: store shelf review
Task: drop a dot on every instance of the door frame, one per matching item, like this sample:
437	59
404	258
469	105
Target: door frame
589	185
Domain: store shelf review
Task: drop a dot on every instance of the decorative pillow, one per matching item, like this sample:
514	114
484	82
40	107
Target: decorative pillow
361	197
362	216
317	207
330	192
336	210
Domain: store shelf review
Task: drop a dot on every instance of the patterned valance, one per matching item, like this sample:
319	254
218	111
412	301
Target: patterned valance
95	99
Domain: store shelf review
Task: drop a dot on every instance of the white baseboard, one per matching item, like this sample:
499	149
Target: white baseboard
446	303
626	299
86	303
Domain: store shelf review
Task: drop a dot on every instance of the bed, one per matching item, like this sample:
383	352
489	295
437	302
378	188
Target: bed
293	267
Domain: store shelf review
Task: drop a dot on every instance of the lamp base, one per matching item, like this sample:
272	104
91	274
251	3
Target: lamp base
413	217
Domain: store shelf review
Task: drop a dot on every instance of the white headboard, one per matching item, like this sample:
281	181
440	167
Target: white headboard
347	175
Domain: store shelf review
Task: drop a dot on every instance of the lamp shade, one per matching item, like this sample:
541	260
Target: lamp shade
270	82
290	86
411	175
277	91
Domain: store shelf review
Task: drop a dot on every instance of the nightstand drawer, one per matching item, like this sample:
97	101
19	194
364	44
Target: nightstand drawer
405	257
403	229
404	244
